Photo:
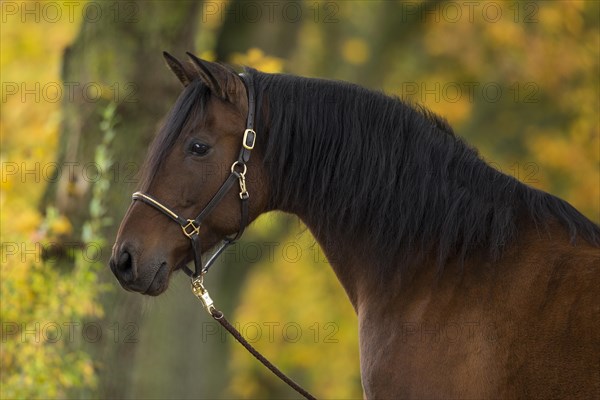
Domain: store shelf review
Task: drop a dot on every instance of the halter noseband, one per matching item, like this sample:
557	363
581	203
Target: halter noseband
191	227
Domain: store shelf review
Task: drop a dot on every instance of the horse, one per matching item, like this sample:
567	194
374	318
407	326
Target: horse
467	283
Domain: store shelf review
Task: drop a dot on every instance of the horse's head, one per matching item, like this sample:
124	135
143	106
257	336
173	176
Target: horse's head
190	159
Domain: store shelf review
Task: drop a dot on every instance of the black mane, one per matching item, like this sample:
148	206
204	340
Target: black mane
391	179
370	171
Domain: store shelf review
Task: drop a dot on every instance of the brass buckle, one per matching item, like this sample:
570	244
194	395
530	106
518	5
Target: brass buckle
190	224
245	140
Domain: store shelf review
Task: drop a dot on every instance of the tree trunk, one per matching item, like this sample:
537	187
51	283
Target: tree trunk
116	57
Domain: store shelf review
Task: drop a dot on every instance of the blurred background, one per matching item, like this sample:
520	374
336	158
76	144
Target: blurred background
84	87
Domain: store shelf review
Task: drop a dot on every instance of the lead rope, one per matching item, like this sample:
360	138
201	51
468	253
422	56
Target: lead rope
202	294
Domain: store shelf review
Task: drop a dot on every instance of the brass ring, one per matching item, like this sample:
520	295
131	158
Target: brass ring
245	168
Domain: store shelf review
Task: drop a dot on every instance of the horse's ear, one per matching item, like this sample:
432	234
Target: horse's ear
183	72
221	79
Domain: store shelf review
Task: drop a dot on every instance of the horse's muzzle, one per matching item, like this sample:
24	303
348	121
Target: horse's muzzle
124	264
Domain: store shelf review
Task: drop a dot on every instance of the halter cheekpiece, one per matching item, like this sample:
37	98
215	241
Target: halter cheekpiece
191	227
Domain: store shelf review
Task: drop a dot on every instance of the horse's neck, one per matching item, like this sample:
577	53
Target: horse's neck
367	291
356	272
365	286
525	262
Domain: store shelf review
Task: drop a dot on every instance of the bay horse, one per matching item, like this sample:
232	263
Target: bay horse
467	283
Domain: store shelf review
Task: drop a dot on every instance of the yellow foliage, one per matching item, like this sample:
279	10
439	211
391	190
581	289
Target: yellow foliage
34	295
61	226
208	55
256	58
355	51
304	319
553	47
29	219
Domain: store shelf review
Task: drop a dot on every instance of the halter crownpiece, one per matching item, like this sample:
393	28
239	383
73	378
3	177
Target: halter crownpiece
191	227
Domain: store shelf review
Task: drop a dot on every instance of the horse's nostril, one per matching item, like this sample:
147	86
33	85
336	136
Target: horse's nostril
124	261
125	267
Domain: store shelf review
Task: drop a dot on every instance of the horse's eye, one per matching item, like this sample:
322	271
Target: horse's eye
199	149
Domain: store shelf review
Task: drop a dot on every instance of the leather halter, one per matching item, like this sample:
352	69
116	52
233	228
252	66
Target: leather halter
191	227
